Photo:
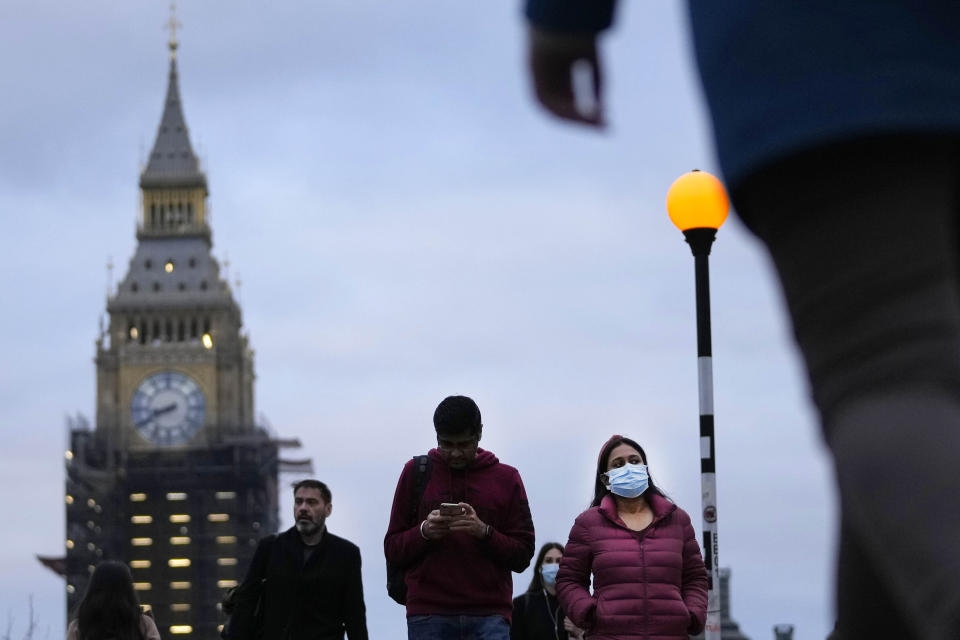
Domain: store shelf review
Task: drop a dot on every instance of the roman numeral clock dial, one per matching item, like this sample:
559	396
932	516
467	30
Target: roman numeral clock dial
168	408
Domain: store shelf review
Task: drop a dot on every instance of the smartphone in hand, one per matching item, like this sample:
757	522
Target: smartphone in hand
450	509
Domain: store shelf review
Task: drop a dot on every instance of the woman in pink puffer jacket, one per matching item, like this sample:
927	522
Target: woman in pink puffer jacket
649	580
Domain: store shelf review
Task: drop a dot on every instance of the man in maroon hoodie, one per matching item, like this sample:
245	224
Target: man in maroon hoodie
458	566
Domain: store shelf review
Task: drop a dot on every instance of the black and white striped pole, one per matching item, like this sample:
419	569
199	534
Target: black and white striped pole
698	205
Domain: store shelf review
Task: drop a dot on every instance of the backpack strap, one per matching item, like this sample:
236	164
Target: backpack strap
421	470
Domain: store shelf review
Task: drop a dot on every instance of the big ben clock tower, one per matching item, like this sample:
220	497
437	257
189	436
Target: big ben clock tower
177	370
176	479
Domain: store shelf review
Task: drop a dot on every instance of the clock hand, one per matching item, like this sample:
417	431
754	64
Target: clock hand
166	409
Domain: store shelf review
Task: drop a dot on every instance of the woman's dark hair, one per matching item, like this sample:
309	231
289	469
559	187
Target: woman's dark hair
109	608
600	489
536	584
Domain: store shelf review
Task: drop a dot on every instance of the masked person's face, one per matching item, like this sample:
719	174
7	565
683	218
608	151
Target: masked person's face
309	510
459	449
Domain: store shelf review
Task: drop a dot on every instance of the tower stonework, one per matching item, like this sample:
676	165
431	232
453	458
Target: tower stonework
176	478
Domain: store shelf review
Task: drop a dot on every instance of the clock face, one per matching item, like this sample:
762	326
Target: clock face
168	408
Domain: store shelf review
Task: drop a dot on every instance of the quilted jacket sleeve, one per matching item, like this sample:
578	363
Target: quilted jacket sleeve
573	579
694	587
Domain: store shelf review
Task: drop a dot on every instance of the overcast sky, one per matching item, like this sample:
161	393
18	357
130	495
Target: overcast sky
406	225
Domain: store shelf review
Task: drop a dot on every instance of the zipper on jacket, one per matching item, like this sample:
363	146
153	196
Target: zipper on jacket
643	581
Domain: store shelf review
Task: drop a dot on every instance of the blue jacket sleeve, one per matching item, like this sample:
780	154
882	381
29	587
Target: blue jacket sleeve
571	15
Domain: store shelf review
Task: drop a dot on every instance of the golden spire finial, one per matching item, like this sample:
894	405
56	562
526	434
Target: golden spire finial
173	24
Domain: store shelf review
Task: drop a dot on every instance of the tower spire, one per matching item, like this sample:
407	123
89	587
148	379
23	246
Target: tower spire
173	25
172	160
173	186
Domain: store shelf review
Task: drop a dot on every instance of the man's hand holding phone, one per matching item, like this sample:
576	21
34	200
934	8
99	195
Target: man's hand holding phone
451	517
437	524
470	523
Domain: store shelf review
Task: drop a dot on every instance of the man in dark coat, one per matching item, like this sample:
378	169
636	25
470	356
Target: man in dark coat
303	584
458	565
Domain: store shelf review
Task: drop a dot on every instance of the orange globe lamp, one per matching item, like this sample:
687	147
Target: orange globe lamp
697	200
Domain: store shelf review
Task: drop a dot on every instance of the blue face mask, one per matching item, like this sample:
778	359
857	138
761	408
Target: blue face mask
628	481
549	572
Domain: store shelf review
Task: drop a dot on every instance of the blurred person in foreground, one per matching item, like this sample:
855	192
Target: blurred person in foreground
649	579
110	609
837	127
458	566
304	583
536	613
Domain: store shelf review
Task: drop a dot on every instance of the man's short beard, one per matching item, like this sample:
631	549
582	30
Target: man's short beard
308	527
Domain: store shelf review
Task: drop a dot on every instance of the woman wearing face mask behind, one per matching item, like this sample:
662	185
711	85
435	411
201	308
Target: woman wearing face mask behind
649	579
536	613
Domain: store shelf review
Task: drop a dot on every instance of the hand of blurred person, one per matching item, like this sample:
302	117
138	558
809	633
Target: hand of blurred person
572	630
469	523
435	526
554	69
